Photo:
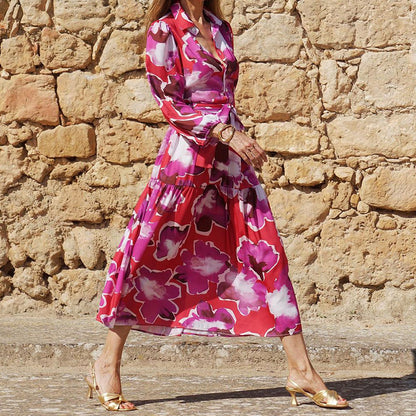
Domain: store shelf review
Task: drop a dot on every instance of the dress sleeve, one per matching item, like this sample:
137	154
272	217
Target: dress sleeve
165	74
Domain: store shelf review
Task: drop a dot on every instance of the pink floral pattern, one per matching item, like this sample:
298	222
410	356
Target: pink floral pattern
201	253
156	294
260	257
202	267
245	288
203	318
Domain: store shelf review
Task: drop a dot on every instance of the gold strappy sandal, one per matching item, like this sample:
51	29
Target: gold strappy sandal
110	401
324	398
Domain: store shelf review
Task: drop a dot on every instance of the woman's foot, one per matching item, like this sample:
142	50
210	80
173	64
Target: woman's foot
108	380
310	381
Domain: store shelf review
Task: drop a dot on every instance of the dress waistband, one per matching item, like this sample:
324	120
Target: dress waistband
213	105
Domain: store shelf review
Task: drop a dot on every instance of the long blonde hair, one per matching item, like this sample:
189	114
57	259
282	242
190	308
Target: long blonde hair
159	8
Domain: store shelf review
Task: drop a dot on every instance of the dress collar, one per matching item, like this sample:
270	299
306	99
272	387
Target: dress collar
184	23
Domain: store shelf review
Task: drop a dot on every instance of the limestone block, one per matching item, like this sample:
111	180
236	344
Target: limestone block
3	135
17	55
273	92
384	24
68	171
283	181
300	252
62	50
71	251
11	163
390	189
335	86
136	101
354	200
74	204
391	136
386	223
352	247
363	208
5	285
45	247
121	200
122	52
297	211
361	24
344	173
30	281
125	141
271	171
85	18
36	168
29	97
130	10
84	96
76	290
386	80
287	138
394	304
341	195
281	40
18	134
304	172
103	174
90	251
17	255
35	12
71	141
227	7
259	6
4	246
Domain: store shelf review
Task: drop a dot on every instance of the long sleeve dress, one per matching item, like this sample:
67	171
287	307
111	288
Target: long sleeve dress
201	253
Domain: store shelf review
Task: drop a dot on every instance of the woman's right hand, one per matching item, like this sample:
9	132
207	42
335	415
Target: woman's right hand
248	149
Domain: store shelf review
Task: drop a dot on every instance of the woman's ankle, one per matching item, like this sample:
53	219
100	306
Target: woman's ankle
306	377
105	363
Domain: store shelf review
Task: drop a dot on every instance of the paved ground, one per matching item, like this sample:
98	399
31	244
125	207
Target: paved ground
43	360
172	394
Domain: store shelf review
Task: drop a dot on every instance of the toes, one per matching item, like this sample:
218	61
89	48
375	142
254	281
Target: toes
127	405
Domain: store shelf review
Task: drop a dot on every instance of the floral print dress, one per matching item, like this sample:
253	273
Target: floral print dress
201	253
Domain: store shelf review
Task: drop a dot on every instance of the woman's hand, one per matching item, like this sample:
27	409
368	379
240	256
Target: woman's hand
248	149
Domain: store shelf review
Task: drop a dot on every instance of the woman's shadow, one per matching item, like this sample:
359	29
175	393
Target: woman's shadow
352	389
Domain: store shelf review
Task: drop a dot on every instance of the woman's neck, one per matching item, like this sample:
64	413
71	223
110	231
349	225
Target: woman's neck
194	10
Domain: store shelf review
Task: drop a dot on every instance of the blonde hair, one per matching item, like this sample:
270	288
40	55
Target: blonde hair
159	8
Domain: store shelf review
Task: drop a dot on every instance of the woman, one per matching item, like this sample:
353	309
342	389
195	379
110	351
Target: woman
201	254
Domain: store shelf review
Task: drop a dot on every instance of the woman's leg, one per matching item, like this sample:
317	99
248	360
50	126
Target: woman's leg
107	366
301	370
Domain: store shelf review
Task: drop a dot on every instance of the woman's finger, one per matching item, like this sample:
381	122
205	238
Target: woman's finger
261	151
257	155
248	149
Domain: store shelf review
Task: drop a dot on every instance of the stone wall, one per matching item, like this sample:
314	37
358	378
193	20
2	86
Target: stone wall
328	87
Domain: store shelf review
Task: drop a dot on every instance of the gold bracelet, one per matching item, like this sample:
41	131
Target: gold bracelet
220	133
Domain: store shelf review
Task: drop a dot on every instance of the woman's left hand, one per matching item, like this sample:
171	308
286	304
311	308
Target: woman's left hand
249	150
246	147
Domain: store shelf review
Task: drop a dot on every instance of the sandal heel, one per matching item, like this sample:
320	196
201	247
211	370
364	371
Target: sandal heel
89	394
294	401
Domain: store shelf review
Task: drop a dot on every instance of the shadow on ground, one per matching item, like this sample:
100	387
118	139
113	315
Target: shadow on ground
350	389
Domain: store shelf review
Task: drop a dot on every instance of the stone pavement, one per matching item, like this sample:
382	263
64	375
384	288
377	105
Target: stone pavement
43	360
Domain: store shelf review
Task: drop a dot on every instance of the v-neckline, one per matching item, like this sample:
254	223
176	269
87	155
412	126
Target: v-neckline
202	47
217	58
